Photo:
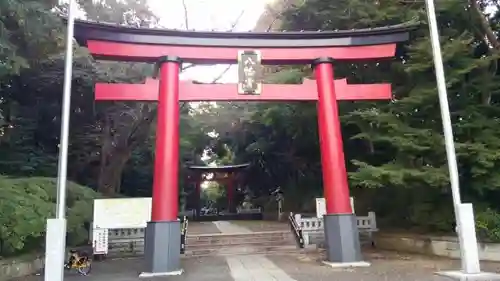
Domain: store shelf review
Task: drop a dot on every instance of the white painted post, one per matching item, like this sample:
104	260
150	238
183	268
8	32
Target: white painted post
470	257
297	218
305	235
373	221
55	250
321	207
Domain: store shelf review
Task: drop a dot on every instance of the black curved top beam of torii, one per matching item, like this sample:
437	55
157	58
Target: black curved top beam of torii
114	42
85	30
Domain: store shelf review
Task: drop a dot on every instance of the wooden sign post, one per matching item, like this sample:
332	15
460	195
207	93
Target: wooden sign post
249	73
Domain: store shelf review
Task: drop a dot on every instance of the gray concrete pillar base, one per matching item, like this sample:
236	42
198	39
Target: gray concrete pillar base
342	238
162	247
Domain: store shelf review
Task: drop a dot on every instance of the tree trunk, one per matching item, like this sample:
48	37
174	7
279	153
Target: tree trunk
117	146
487	34
109	182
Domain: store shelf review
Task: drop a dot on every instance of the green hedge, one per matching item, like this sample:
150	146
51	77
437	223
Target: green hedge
488	225
25	205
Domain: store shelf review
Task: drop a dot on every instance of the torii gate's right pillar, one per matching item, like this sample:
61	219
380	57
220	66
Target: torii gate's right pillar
341	231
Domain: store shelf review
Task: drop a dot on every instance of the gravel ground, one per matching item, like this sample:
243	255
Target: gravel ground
385	266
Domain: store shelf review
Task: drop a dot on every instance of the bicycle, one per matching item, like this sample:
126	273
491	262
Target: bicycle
79	261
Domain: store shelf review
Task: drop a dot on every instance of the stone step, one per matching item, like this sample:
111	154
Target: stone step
215	243
240	236
258	233
236	240
241	250
236	245
240	243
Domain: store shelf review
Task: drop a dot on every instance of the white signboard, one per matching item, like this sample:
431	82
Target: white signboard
321	207
122	212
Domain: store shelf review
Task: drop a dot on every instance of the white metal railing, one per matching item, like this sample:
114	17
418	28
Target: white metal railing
313	227
296	230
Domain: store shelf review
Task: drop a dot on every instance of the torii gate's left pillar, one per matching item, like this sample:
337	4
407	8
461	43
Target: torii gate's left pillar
162	239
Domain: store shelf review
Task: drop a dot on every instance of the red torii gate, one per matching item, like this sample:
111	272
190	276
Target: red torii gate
225	174
168	48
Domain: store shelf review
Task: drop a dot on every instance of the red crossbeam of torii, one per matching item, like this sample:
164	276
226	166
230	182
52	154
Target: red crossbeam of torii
196	54
189	91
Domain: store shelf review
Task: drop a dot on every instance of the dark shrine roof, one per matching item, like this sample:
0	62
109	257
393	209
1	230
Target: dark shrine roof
220	169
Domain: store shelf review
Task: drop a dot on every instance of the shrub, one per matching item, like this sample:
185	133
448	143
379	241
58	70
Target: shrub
25	205
488	225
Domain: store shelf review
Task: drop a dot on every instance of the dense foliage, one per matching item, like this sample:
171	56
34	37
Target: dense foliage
26	205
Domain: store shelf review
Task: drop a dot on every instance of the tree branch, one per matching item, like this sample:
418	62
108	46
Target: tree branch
216	79
186	19
233	26
188	67
236	21
485	25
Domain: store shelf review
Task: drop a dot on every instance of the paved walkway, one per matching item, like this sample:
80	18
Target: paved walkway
250	268
226	227
255	268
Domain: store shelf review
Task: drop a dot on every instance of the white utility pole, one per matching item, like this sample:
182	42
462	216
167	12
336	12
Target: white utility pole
55	240
464	214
